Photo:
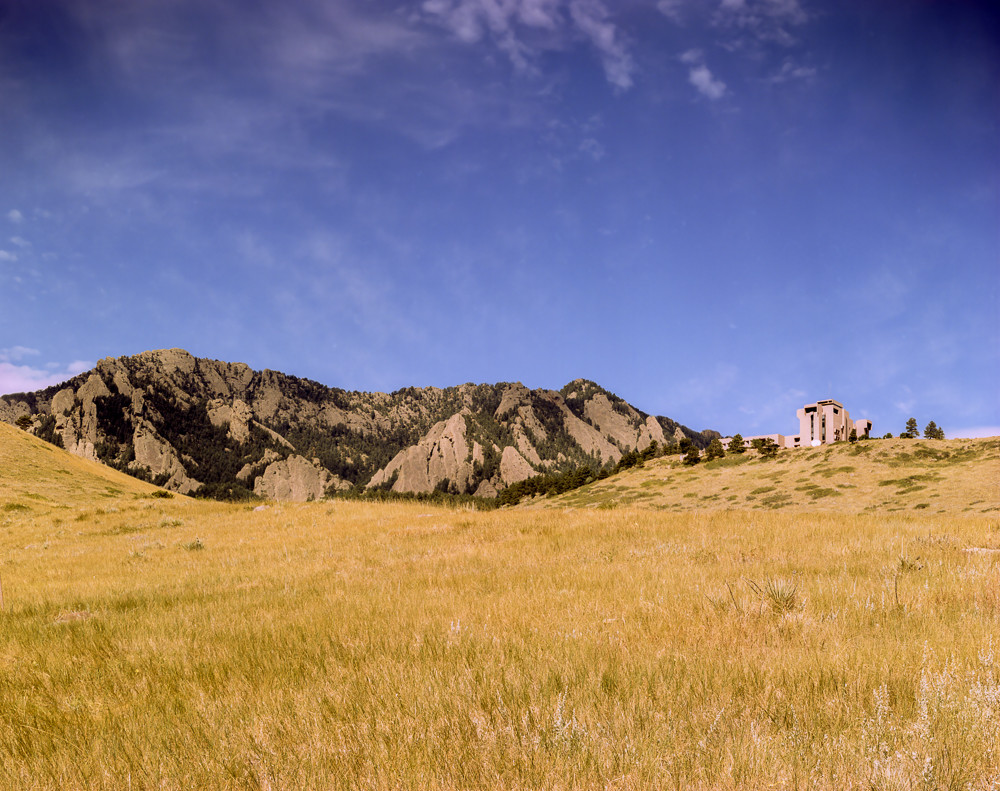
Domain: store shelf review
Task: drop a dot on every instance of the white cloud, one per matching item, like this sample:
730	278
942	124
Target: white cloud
15	216
592	18
17	240
701	78
762	20
15	377
16	353
319	42
5	256
515	27
789	71
670	9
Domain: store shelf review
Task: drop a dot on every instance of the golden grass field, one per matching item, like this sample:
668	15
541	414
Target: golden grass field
879	476
156	643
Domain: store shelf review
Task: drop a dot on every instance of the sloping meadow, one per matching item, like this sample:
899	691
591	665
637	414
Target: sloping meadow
876	476
155	643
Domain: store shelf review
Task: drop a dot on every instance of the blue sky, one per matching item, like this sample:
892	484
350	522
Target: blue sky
718	210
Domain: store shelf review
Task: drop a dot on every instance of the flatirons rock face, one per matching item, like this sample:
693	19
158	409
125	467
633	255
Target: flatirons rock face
223	429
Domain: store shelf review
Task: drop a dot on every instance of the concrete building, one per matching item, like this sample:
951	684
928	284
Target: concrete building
819	424
827	421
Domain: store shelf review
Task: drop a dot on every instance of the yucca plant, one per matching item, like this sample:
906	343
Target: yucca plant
779	594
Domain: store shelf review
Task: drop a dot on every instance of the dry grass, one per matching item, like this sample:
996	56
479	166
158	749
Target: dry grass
152	643
32	471
879	476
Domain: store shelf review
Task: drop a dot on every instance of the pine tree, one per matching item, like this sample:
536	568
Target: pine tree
736	444
692	456
766	447
912	432
931	431
715	450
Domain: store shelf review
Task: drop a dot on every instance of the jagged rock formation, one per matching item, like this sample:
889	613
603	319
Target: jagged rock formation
296	478
222	429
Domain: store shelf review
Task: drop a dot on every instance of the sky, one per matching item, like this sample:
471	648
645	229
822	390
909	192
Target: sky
718	209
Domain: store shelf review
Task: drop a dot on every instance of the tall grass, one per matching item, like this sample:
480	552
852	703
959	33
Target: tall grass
391	646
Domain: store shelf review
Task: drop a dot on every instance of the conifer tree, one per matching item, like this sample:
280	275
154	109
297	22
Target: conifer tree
715	450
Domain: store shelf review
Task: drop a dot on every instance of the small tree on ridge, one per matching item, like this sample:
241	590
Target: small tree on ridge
932	431
715	450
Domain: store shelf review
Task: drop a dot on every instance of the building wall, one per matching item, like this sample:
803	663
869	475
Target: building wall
822	422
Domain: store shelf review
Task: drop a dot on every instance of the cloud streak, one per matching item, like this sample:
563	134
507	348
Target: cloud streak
761	21
17	377
524	29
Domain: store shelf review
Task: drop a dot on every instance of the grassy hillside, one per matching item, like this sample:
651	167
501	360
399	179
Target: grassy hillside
37	474
171	643
936	476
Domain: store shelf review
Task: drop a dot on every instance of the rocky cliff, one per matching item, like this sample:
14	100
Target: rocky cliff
223	429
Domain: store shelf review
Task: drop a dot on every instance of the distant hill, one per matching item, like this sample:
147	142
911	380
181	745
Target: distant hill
222	429
34	474
960	476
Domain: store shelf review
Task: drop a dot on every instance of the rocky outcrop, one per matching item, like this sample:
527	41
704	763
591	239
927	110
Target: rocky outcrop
220	428
514	467
295	479
237	415
444	454
155	455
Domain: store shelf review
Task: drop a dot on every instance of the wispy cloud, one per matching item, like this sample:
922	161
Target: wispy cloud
789	71
592	148
7	256
524	29
671	9
17	377
591	17
701	77
19	242
761	21
320	42
15	353
15	216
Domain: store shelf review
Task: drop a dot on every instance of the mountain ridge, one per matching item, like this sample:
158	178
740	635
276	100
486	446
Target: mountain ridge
195	425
